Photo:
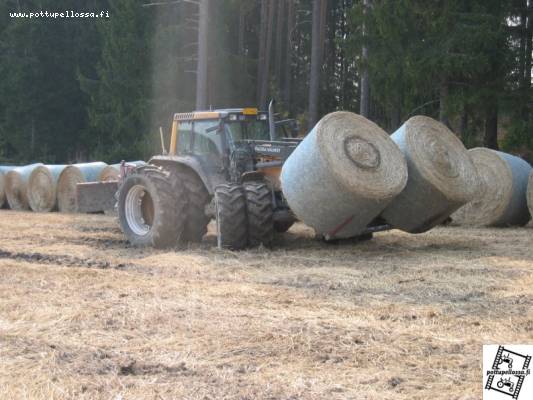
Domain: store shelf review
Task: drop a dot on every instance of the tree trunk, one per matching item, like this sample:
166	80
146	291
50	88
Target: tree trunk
463	127
263	98
280	26
491	125
316	63
526	86
242	22
364	106
443	106
262	45
288	55
201	66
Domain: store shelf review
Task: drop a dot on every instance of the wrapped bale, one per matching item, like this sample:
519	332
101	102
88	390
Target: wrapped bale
70	177
342	175
42	187
16	186
112	172
3	171
501	199
530	194
442	176
2	192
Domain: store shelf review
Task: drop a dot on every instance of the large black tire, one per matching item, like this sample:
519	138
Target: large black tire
198	198
260	213
232	226
151	208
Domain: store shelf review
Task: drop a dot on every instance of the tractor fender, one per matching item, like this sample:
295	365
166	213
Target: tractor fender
189	162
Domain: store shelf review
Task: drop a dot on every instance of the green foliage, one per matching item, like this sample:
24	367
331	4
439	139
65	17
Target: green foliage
80	89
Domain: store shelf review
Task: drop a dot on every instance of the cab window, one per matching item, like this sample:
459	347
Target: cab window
184	137
206	137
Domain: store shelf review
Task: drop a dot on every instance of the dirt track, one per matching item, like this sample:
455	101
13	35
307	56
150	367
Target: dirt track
85	316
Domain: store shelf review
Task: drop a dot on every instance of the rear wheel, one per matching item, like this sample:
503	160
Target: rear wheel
198	198
151	208
230	203
260	213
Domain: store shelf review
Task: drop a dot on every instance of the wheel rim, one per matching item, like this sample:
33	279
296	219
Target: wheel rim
139	210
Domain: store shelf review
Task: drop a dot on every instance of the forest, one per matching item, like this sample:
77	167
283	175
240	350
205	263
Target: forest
77	89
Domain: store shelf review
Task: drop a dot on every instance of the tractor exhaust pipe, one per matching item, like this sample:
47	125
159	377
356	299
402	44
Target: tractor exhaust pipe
271	122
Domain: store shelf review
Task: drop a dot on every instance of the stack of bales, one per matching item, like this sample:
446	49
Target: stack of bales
348	171
42	187
70	177
342	175
442	177
502	198
16	184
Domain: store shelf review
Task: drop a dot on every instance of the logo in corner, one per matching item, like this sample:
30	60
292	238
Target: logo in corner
506	372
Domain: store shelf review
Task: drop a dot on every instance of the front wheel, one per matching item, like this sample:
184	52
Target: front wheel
231	218
260	214
151	208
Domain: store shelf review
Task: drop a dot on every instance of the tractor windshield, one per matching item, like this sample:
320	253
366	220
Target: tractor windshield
249	129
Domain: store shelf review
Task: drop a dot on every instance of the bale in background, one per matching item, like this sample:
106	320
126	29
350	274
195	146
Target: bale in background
342	175
501	200
2	192
112	172
16	184
442	176
42	187
3	172
70	177
530	194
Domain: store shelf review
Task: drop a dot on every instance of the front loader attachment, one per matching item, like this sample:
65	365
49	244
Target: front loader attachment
96	196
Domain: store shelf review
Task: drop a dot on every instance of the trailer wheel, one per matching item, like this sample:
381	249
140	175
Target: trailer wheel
260	213
232	225
151	208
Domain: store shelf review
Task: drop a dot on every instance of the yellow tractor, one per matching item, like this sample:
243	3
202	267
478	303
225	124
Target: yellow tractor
222	164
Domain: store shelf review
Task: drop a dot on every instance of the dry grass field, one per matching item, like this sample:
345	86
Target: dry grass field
85	316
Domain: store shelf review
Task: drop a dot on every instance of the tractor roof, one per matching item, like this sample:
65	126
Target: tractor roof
215	114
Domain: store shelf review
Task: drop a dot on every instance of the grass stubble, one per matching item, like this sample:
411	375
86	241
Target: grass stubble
83	315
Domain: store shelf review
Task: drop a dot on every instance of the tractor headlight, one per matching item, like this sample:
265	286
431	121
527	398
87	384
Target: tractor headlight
233	117
263	117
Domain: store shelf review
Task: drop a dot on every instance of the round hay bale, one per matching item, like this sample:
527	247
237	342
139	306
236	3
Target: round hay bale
16	185
4	169
112	172
442	176
342	175
501	199
2	192
530	194
42	187
70	177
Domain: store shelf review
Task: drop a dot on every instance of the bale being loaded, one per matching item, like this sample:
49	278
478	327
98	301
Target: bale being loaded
42	187
70	177
342	175
16	185
501	199
442	176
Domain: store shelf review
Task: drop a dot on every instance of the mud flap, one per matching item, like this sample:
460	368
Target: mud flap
96	196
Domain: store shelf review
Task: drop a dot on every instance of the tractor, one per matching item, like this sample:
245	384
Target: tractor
221	164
